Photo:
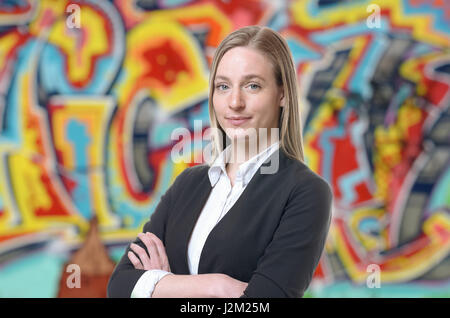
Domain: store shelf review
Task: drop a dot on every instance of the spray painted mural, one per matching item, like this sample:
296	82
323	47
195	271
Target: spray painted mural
90	92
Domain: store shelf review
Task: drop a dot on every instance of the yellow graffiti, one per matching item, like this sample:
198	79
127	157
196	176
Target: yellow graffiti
389	143
326	112
420	24
81	45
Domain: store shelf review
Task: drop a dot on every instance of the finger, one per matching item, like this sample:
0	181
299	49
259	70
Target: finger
143	256
150	245
157	242
161	250
155	259
134	260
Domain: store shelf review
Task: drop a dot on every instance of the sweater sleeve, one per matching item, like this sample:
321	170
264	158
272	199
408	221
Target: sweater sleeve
125	276
289	261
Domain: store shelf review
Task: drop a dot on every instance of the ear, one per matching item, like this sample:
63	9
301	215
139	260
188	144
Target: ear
282	98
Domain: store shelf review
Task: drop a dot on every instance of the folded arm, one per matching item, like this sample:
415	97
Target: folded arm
199	286
175	286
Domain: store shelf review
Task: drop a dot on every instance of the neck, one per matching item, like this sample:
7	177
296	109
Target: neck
242	150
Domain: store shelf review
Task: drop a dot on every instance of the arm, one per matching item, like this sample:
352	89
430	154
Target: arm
178	286
199	286
125	275
289	261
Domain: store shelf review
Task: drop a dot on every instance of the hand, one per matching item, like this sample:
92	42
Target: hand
158	257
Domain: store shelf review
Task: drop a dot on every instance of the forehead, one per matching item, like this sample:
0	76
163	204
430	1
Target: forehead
241	61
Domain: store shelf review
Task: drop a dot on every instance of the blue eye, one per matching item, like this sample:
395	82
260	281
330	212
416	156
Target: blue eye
221	87
254	86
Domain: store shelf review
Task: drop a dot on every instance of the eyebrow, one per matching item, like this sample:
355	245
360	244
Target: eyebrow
246	77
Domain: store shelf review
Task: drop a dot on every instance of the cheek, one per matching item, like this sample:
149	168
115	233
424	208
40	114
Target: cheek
218	110
218	104
268	113
266	106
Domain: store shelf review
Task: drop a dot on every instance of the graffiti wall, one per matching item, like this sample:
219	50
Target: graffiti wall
90	92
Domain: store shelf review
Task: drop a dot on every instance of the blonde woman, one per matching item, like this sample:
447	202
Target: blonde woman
253	221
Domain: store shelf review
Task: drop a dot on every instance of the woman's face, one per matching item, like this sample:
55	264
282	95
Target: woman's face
246	94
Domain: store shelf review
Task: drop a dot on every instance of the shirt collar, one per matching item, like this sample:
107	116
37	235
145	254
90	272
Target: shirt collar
246	170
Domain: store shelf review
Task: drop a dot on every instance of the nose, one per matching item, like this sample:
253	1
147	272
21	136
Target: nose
236	99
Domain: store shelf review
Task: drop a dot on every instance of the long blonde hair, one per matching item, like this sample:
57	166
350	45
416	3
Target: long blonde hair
275	47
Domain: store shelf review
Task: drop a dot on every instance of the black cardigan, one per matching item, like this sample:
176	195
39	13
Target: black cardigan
272	237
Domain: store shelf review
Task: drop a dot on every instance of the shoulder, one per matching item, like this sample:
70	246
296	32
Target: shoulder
306	181
192	174
310	197
197	171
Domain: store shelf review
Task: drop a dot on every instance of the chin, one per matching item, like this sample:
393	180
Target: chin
236	134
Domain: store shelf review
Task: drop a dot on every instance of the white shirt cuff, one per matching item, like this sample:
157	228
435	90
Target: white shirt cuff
147	282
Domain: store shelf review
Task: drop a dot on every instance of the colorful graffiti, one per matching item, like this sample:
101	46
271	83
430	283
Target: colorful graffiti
87	114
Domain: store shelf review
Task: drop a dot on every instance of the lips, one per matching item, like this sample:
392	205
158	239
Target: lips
237	121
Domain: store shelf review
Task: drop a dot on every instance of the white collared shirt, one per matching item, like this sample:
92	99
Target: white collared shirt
222	198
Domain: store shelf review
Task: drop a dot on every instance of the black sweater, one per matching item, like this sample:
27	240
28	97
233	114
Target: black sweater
272	237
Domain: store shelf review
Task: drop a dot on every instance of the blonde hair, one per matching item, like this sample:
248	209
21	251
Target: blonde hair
275	47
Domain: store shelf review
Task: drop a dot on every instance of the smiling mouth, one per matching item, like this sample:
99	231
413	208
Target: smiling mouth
238	121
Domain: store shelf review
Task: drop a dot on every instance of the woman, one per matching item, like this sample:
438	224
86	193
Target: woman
227	228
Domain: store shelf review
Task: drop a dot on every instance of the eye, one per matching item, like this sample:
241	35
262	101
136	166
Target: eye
254	86
221	87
